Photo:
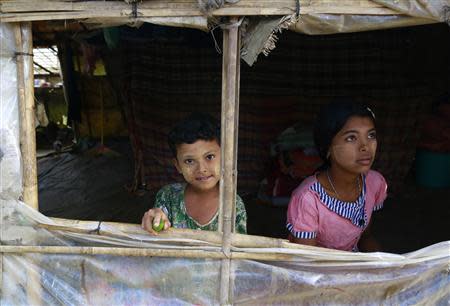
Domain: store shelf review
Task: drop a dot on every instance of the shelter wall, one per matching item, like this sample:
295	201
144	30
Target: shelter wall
172	72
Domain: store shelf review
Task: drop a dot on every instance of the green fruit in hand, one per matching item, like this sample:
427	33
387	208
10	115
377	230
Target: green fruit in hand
158	227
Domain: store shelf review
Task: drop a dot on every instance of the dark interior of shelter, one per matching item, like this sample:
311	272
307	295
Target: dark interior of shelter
102	150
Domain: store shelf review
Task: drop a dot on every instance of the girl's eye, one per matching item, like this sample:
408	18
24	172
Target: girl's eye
350	138
372	135
210	156
188	161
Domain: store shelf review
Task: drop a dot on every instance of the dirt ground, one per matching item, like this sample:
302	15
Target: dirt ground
91	186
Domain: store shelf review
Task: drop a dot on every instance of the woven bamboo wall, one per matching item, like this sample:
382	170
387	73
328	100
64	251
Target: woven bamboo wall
172	72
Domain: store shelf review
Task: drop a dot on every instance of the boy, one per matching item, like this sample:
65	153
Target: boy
195	145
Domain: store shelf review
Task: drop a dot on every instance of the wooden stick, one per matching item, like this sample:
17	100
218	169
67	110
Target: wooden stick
229	121
27	113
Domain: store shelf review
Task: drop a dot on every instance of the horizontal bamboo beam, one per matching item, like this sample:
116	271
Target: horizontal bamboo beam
215	238
141	252
307	254
262	248
33	10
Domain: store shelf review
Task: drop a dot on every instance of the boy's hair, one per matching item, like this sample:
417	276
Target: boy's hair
332	119
197	126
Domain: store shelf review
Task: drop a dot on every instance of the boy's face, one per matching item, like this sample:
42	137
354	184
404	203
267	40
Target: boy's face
199	163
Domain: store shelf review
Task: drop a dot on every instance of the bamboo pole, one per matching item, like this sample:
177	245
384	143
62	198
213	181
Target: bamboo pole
1	254
20	10
146	252
215	238
1	275
25	81
309	255
229	127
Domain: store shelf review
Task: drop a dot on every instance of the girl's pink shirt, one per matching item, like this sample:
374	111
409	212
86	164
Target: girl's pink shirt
307	214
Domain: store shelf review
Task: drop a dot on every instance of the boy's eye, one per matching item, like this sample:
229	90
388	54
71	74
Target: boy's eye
188	161
210	156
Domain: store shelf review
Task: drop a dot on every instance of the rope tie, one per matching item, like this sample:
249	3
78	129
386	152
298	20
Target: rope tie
231	25
16	54
134	11
97	230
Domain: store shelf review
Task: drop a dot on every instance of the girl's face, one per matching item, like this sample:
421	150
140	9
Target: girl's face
353	148
199	163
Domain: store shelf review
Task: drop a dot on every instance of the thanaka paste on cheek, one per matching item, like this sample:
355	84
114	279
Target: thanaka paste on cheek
342	154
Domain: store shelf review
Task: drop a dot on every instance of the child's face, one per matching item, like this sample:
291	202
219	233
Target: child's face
199	163
354	146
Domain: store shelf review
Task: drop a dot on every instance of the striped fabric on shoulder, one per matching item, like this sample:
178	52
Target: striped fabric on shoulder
301	235
353	211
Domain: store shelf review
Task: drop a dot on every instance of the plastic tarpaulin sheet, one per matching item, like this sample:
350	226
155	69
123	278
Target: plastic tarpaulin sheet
10	160
437	10
312	276
410	13
260	34
319	24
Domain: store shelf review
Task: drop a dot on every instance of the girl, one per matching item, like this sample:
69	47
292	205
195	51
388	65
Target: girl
332	208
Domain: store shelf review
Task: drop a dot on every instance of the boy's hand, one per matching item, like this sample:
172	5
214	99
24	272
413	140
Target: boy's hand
153	218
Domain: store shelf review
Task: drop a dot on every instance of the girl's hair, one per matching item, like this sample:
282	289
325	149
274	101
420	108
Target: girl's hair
331	120
197	126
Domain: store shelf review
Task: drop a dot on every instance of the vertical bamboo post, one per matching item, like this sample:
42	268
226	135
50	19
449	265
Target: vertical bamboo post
229	128
25	84
1	255
25	81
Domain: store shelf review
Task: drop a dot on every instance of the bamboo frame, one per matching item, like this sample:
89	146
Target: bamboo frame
146	252
25	81
1	254
229	123
214	238
33	10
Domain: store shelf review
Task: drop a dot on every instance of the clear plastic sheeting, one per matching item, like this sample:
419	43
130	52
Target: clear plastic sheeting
319	24
409	13
111	280
404	13
432	9
10	160
307	275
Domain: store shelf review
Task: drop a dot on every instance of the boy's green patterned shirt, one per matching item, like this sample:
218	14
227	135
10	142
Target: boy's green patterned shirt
170	199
